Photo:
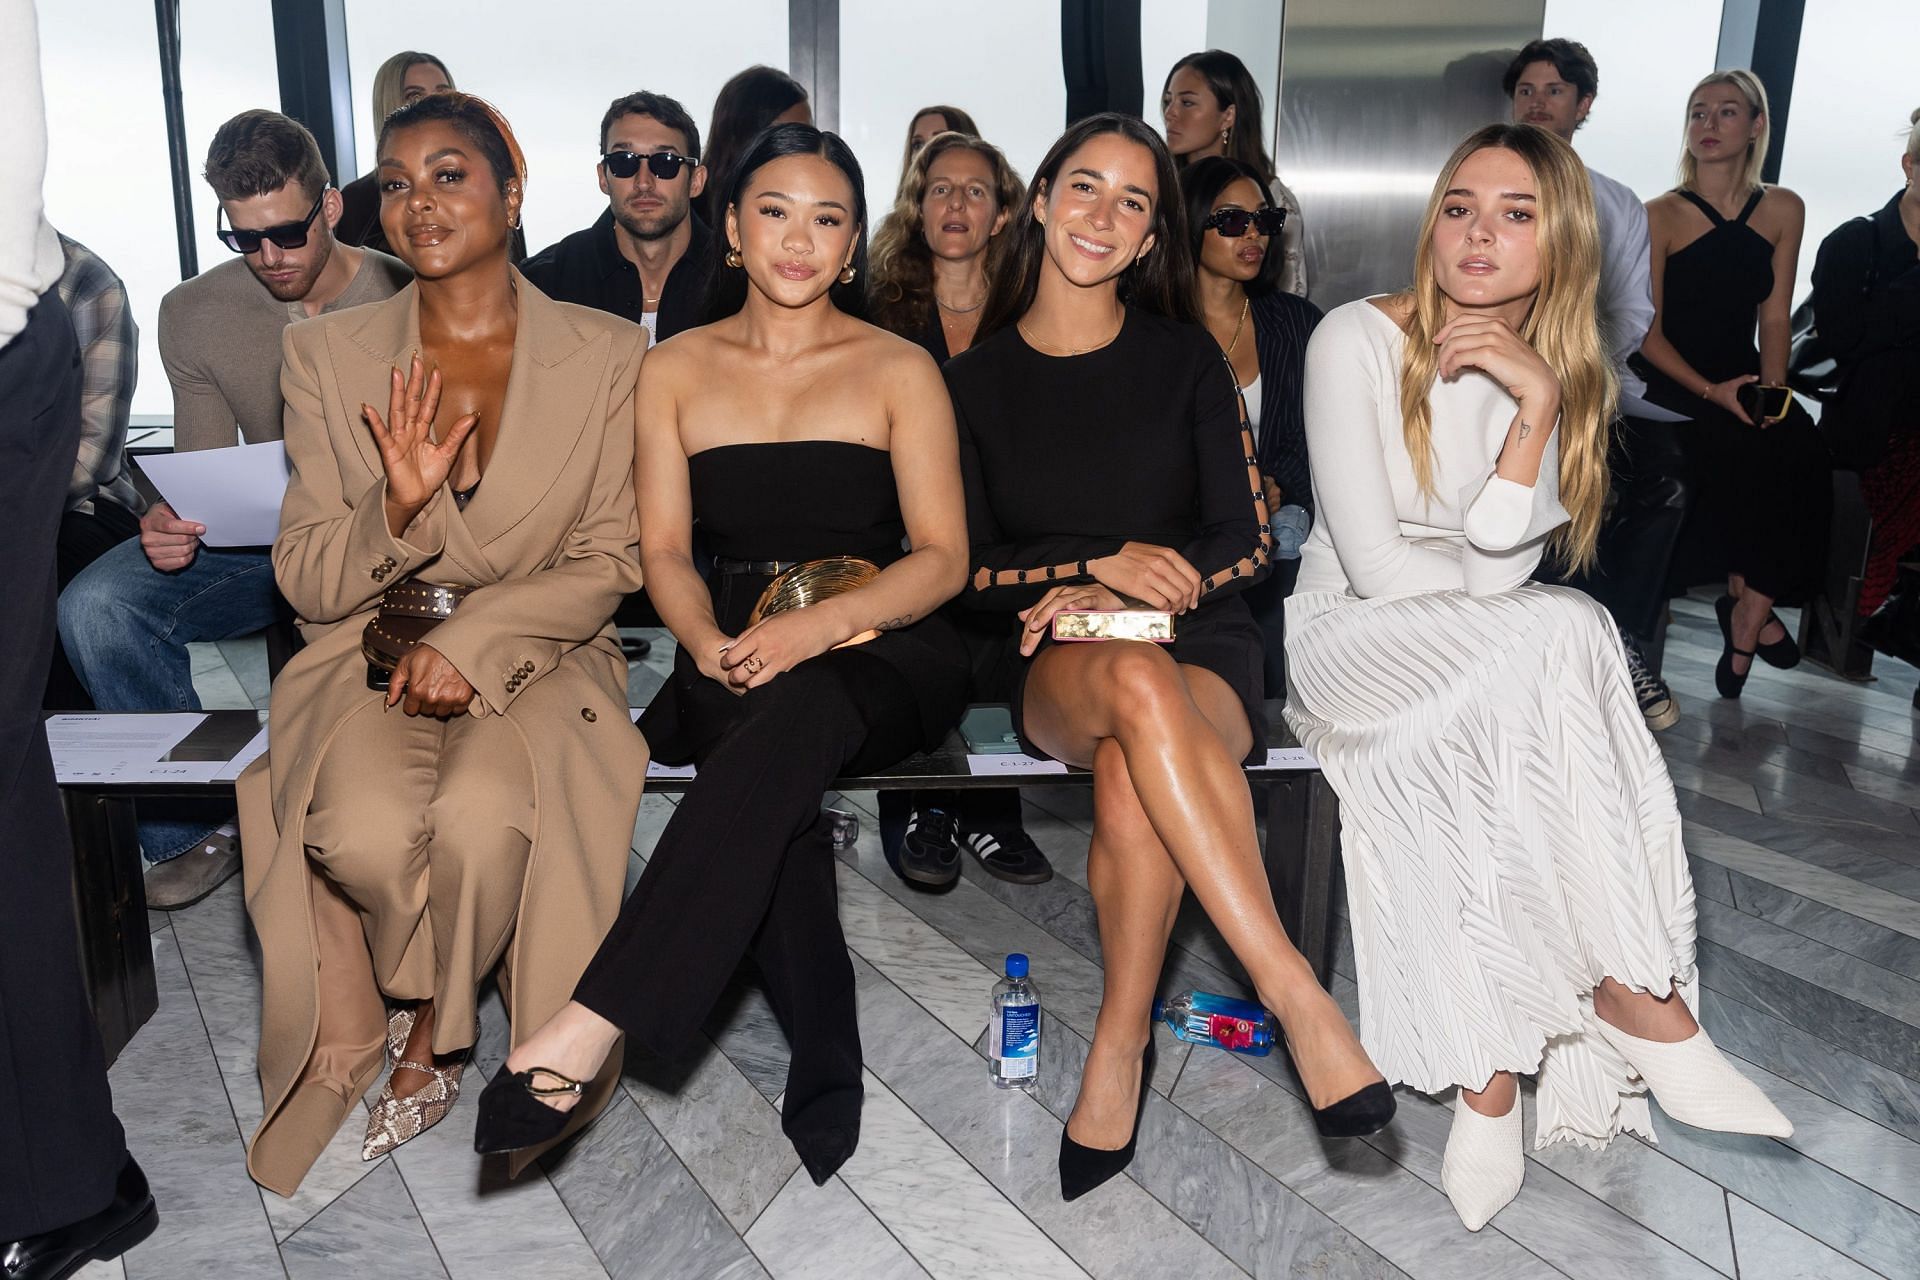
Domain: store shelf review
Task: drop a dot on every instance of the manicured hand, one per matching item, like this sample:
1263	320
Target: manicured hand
1160	576
430	685
415	462
1079	595
1490	344
780	643
170	542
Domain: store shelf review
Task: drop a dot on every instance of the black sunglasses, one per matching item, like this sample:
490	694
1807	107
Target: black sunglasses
665	164
288	235
1233	223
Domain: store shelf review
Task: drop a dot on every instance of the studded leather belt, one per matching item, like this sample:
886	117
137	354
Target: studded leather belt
408	611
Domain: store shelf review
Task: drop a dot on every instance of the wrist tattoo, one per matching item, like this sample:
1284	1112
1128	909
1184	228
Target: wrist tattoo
1526	429
894	624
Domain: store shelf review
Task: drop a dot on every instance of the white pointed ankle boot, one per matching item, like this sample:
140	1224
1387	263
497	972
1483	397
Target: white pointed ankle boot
1484	1164
1695	1085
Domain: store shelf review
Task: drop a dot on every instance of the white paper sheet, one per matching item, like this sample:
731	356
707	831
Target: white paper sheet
1291	758
118	748
235	492
232	769
981	766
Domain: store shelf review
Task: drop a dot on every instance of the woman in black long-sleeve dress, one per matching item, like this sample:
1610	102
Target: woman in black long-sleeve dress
1106	461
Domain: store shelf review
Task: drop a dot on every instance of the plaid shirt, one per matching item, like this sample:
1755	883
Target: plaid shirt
109	362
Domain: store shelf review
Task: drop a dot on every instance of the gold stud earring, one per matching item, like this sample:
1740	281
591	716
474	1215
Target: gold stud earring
846	276
733	258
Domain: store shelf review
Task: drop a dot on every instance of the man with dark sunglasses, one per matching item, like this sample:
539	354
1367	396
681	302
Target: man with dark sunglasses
126	620
644	259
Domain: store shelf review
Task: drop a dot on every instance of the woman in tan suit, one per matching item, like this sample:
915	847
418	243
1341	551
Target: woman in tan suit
399	847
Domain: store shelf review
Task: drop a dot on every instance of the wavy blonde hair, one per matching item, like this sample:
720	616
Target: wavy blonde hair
1562	325
390	82
1749	87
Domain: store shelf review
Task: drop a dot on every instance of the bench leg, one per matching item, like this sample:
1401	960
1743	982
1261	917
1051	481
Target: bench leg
110	908
1303	820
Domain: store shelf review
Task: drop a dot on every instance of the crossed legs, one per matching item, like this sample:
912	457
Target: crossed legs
1172	810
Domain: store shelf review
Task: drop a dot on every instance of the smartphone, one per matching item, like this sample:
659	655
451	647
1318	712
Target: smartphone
988	731
1764	403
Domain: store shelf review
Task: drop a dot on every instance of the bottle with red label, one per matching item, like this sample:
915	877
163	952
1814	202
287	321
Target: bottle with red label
1200	1017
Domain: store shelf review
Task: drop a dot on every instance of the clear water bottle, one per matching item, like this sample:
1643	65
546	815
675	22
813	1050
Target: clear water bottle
1013	1037
1200	1017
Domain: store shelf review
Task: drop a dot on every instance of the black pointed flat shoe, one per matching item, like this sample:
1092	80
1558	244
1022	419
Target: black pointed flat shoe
1084	1168
512	1115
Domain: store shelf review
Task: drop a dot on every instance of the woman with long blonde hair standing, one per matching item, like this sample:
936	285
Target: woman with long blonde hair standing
1519	894
1726	249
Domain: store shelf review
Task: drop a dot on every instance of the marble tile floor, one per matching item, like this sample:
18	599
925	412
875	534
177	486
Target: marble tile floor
1805	839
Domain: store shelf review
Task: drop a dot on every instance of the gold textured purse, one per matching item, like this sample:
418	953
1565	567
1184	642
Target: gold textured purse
811	582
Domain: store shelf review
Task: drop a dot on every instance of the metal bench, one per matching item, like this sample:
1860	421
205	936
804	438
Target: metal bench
117	952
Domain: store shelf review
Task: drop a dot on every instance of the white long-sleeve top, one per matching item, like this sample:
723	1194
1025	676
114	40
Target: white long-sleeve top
30	257
1376	533
1626	276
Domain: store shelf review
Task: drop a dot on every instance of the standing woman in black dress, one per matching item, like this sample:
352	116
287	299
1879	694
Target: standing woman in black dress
1106	461
1725	249
790	430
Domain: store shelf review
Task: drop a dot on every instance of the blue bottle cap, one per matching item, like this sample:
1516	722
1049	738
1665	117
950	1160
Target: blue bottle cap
1016	965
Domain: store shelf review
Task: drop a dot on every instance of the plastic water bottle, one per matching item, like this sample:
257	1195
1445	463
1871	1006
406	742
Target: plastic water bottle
1200	1017
1013	1037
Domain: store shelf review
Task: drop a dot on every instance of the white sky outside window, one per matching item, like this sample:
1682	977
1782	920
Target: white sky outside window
1650	52
108	183
1853	90
553	78
997	60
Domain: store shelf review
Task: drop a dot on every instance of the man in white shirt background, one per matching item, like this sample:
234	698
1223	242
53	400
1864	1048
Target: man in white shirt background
1552	83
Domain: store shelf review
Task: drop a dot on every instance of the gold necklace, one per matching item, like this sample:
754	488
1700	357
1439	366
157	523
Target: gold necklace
944	305
1035	338
1238	325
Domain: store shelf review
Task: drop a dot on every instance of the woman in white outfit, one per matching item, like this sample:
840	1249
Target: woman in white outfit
1519	895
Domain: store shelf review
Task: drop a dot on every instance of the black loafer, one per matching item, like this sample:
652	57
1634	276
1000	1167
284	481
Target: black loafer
1009	855
930	853
129	1218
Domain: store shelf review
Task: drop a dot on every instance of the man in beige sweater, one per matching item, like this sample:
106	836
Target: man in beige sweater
126	621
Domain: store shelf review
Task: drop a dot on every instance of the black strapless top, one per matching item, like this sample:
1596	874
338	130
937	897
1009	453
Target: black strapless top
797	500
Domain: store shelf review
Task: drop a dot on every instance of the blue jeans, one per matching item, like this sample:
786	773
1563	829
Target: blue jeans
126	626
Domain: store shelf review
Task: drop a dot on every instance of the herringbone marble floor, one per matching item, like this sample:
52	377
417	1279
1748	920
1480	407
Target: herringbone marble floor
1801	806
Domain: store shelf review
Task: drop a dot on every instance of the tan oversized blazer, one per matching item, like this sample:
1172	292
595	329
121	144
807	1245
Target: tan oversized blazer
551	544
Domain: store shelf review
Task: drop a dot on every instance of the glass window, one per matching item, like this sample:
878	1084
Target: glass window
1001	65
553	79
1852	95
107	180
227	65
1169	31
1650	52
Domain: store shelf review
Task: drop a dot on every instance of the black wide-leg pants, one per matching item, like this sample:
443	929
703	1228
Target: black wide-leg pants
60	1146
746	866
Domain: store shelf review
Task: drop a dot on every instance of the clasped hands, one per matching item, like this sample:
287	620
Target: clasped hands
1157	577
771	646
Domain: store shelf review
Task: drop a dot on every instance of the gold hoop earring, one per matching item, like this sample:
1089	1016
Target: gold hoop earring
846	276
734	259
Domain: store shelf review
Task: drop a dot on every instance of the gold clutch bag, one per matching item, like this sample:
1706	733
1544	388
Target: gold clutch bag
814	581
1114	624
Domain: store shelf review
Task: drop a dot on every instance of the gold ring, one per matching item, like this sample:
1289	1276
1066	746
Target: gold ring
753	666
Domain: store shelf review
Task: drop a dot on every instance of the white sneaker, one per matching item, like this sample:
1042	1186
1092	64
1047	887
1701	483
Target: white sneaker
1696	1085
1484	1163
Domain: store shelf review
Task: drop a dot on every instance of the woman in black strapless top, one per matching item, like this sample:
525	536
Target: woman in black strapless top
1725	249
788	430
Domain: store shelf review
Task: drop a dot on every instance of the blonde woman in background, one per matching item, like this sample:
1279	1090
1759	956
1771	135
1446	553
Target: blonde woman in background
1726	248
1519	894
928	123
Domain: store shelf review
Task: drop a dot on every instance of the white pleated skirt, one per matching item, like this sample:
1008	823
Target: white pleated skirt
1509	834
